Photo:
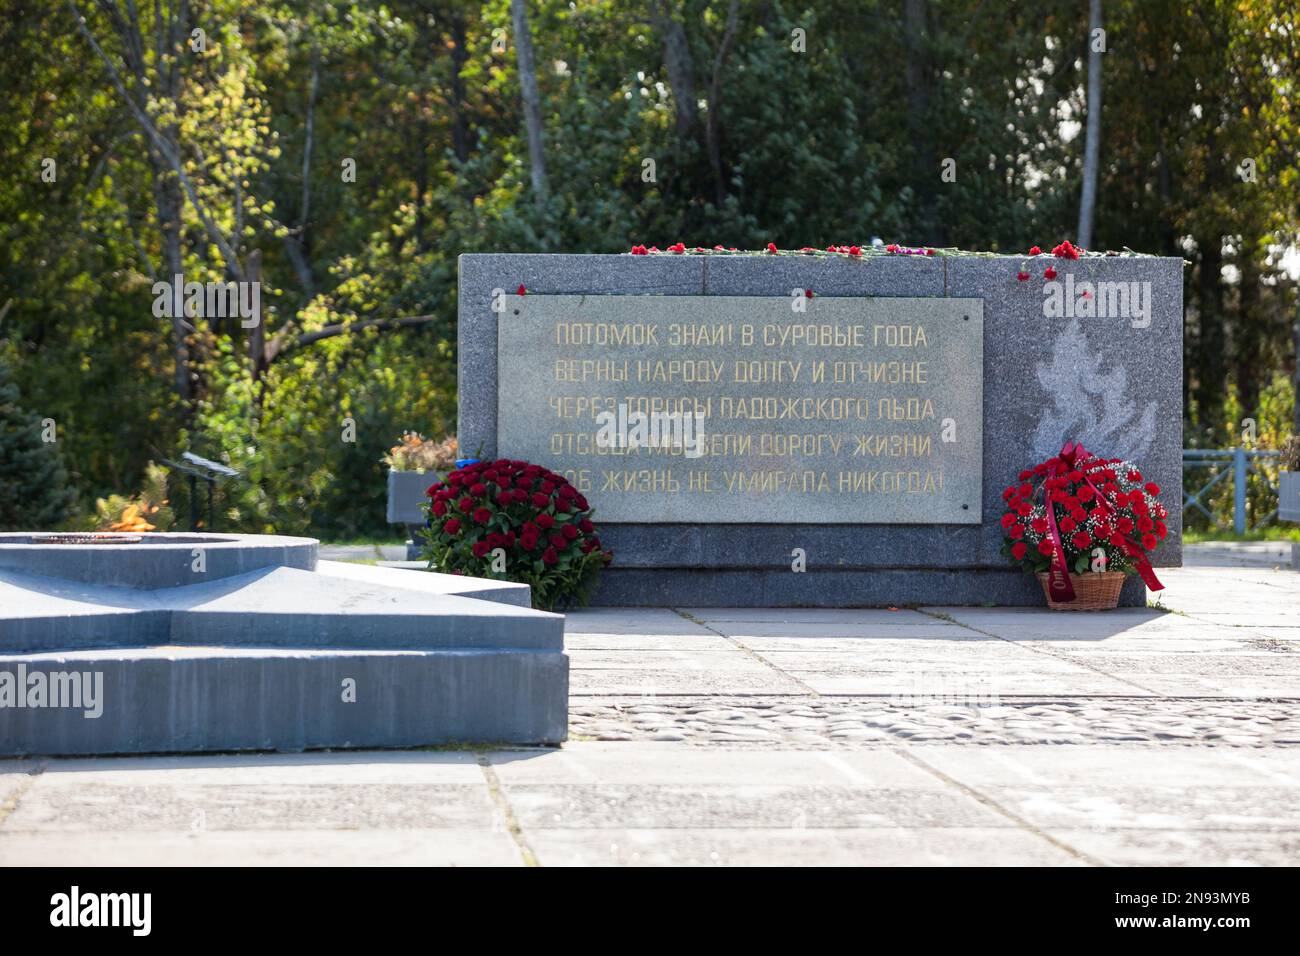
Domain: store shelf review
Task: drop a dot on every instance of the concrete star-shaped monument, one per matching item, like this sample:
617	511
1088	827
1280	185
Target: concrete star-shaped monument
189	642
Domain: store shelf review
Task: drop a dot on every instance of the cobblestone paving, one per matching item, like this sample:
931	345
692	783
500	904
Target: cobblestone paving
828	723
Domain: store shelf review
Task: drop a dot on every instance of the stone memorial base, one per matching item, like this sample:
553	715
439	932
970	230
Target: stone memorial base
874	587
1010	370
188	642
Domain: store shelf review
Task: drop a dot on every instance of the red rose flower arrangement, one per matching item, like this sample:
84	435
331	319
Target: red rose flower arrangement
1079	513
514	521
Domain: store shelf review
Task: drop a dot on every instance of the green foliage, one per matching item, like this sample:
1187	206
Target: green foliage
1269	429
34	492
837	144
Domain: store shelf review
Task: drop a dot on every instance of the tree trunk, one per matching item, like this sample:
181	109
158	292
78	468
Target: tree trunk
680	68
1211	340
531	97
1295	378
459	122
920	75
297	241
167	212
1246	334
1092	144
712	131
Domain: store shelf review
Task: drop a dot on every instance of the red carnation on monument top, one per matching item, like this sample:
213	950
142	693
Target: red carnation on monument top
678	248
1035	251
771	247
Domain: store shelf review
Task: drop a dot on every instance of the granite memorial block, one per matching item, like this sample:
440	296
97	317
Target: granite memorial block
1002	378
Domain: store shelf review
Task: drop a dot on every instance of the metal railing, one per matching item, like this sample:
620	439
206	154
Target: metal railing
1216	459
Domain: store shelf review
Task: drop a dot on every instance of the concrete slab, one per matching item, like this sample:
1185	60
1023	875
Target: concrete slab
15	777
1037	624
442	847
1228	686
174	807
444	768
1107	789
675	672
898	637
1221	554
652	620
1194	848
974	669
703	641
740	806
620	765
797	846
1255	616
934	629
807	615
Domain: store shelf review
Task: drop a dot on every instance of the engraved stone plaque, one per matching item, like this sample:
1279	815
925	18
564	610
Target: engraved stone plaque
742	409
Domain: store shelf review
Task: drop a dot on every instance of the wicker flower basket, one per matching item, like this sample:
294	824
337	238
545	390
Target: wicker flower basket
1094	591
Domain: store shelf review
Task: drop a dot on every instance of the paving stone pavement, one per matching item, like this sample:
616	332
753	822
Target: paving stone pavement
713	736
828	723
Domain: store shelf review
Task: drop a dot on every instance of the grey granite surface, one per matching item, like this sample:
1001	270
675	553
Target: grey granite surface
1113	383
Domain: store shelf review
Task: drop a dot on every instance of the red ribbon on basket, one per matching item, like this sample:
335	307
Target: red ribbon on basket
1059	585
1058	577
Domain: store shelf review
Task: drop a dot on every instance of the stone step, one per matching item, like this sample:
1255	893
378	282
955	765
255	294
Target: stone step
335	606
429	582
223	698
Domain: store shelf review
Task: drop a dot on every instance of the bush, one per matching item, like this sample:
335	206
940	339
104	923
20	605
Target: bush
512	521
34	492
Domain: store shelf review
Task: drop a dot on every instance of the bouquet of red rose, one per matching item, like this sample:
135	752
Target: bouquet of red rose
1078	514
514	521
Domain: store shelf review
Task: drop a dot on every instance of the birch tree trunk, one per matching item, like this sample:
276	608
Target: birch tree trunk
1092	144
532	99
679	66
